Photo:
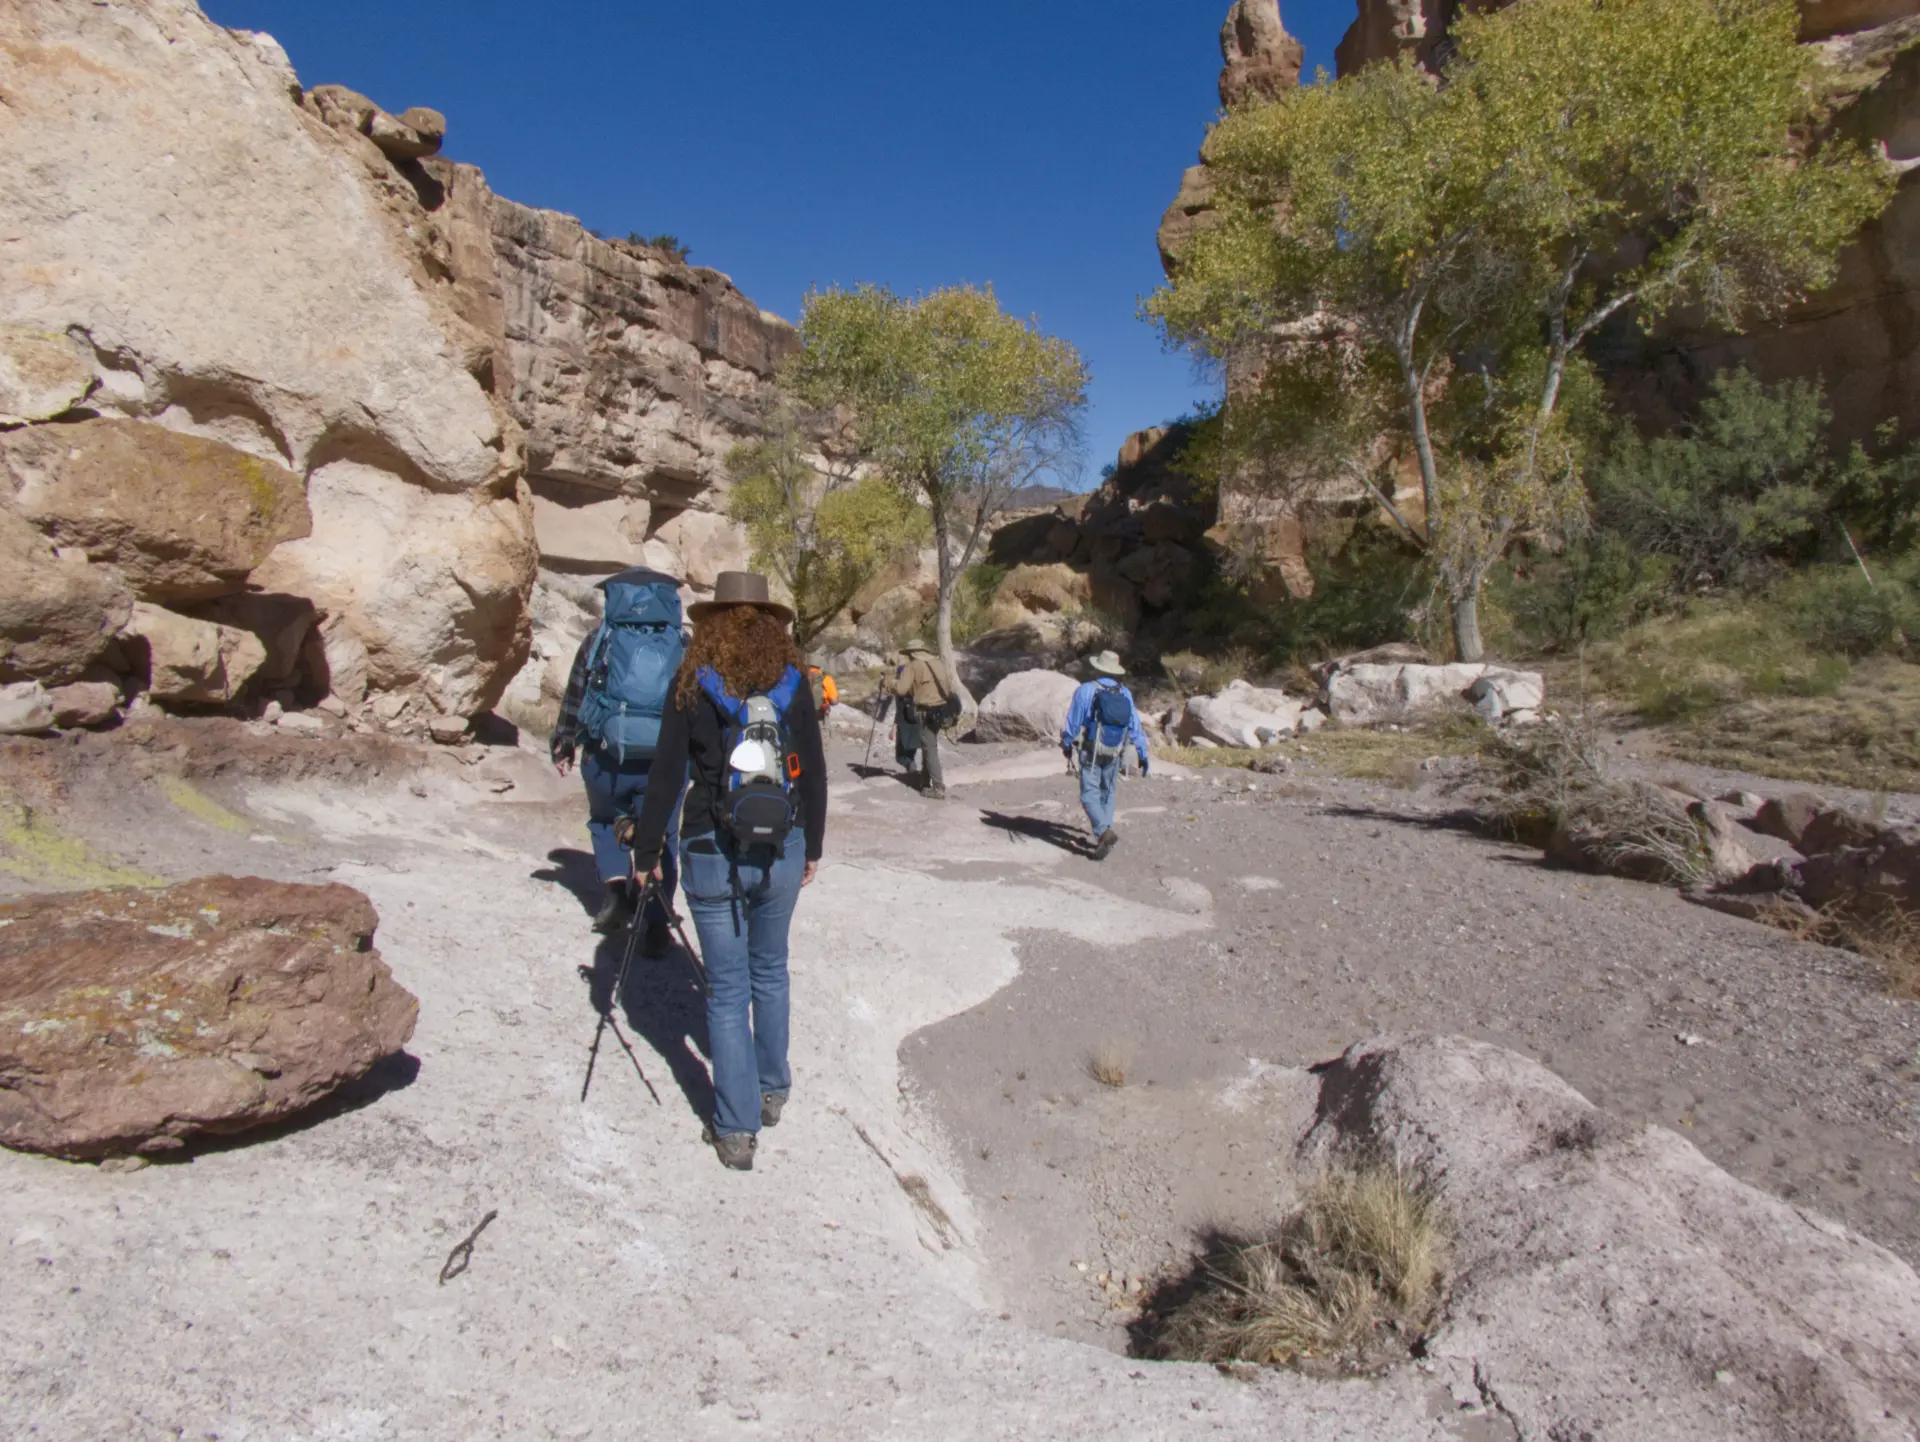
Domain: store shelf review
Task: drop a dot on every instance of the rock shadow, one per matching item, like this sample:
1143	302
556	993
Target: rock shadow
579	873
661	1003
389	1074
1070	839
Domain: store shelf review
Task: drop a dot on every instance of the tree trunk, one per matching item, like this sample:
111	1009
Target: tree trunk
1466	623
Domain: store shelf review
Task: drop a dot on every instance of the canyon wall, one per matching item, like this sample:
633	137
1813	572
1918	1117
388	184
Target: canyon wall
292	408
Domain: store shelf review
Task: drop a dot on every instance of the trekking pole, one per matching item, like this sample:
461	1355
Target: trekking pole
878	711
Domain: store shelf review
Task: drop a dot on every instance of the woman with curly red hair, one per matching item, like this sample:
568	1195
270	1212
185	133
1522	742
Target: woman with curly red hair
750	838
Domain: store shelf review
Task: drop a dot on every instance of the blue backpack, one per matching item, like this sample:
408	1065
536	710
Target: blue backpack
755	804
1108	723
631	665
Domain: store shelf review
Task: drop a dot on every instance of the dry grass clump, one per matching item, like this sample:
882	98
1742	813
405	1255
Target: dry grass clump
1377	754
1108	1063
1358	753
1885	935
1359	1264
1551	789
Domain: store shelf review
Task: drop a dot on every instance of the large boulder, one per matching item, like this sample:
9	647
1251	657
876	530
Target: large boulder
190	662
280	310
130	1020
1026	706
1610	1281
427	589
183	518
58	615
1365	694
321	305
1242	715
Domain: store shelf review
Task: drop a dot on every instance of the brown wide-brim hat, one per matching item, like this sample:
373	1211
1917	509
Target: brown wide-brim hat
739	588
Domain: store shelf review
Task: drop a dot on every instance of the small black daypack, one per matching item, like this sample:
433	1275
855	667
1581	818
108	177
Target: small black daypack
754	804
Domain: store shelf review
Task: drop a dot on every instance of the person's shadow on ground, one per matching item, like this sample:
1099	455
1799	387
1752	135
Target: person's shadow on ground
909	779
660	1003
580	874
1069	839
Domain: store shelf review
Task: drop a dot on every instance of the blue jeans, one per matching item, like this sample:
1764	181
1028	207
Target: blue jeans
1098	786
743	941
614	791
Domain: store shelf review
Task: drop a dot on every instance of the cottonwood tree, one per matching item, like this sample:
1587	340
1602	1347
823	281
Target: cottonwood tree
957	403
1435	255
823	525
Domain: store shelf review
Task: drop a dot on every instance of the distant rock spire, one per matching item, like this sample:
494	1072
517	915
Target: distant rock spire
1261	58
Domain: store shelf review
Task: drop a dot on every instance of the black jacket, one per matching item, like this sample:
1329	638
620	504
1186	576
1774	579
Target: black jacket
696	738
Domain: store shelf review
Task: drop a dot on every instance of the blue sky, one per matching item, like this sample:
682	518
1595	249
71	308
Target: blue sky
1030	145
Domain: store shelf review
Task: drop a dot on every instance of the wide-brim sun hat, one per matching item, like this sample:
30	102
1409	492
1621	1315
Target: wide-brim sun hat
739	588
1108	664
916	644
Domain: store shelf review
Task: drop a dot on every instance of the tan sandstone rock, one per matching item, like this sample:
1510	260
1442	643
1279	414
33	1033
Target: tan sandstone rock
1242	715
181	517
57	616
1609	1280
192	662
42	375
304	308
1026	706
84	703
1262	60
430	588
25	708
130	1020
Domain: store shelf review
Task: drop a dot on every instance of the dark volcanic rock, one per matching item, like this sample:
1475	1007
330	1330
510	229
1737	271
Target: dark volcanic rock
132	1019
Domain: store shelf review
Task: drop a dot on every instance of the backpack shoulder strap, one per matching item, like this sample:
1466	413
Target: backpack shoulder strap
784	690
731	707
596	653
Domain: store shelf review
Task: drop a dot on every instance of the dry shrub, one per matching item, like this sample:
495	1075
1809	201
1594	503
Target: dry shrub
1885	935
1364	1254
1551	789
1107	1064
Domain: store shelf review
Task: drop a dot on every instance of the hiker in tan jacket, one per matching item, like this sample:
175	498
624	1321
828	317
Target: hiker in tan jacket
925	682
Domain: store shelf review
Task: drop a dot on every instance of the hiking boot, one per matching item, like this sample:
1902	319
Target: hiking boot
658	941
735	1149
614	911
1104	846
935	793
770	1105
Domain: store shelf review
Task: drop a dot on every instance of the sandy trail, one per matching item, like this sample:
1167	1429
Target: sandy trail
1335	911
287	1288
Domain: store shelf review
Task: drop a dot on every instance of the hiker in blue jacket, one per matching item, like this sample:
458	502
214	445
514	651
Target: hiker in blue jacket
616	697
1102	722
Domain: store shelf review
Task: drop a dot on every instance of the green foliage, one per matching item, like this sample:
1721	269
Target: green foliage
1736	490
1714	654
1596	588
1370	587
1395	258
973	600
825	531
1836	610
671	244
955	402
1752	486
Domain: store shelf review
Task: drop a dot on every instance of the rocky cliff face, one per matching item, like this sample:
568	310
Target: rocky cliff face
290	405
633	375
